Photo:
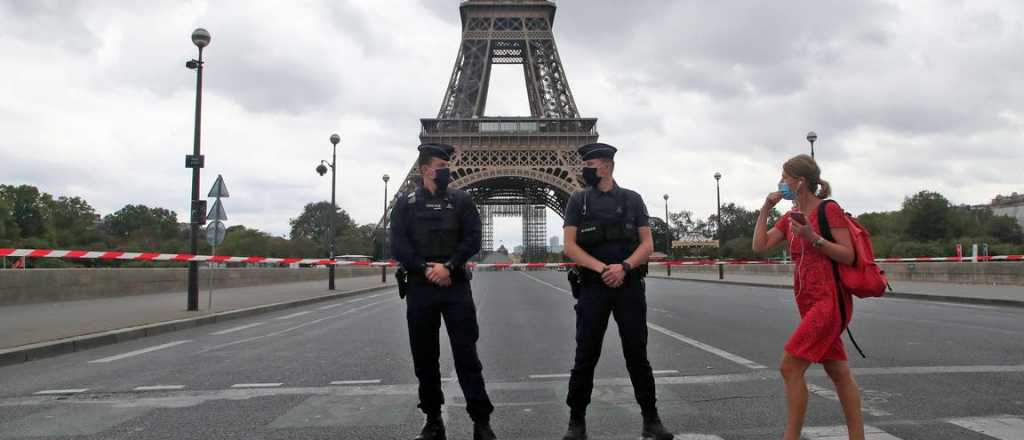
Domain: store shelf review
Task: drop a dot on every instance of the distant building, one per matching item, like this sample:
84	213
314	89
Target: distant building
518	250
502	250
1010	206
553	244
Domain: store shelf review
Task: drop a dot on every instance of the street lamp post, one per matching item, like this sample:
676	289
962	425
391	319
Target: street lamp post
718	226
811	137
668	238
384	238
201	38
322	169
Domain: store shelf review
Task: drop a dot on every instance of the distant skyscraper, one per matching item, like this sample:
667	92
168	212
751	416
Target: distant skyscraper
554	241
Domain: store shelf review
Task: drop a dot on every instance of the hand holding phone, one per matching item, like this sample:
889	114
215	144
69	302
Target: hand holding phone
798	217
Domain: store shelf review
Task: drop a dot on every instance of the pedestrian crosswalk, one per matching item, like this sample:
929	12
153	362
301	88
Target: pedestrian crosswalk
1003	428
997	427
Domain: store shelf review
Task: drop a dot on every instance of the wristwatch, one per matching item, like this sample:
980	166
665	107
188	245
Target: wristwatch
626	266
448	265
819	242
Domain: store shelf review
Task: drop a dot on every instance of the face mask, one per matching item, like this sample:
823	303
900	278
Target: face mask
786	193
590	176
442	176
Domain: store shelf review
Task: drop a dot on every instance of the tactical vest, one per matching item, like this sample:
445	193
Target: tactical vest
436	227
594	231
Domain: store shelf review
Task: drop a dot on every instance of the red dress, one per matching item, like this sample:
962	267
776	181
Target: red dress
818	338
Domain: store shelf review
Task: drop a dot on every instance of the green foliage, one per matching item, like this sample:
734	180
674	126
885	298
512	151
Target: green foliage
929	217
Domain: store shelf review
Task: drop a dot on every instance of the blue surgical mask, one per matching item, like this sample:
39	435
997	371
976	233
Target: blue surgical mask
787	194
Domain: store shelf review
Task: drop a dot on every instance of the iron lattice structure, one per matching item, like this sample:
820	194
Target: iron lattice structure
512	166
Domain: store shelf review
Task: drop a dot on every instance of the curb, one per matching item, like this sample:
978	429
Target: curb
901	295
41	350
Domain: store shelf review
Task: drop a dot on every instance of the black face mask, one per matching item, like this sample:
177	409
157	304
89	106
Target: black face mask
442	176
590	176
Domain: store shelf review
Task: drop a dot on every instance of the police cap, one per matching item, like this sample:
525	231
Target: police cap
597	151
440	151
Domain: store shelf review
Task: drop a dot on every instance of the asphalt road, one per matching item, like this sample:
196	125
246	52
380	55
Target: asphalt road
342	370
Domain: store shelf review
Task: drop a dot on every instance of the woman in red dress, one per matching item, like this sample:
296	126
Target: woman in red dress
818	337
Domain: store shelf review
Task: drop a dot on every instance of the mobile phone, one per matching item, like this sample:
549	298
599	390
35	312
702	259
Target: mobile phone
799	217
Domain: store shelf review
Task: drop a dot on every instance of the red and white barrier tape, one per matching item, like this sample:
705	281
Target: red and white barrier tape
149	256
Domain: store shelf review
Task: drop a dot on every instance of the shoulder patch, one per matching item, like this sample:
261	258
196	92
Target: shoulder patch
411	197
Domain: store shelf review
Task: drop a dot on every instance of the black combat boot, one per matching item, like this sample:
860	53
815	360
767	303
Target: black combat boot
433	429
653	429
577	429
483	431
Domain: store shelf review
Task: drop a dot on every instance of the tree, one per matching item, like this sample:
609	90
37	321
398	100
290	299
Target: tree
28	210
929	216
662	234
882	223
313	223
9	230
1004	229
145	228
74	221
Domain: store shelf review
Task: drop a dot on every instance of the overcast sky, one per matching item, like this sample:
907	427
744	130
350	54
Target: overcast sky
905	96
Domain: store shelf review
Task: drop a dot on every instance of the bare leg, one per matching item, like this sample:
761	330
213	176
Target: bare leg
849	397
793	370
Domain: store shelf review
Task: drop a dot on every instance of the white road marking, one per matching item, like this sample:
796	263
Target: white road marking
665	371
715	351
293	315
839	433
447	379
549	376
281	332
545	282
355	382
256	385
697	437
235	329
722	353
138	352
1002	428
52	392
160	388
831	395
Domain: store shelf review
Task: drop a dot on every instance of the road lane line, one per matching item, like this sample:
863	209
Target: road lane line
53	392
1002	428
831	395
549	376
293	315
839	433
545	283
665	371
281	332
356	382
715	351
160	388
138	352
236	329
257	385
697	437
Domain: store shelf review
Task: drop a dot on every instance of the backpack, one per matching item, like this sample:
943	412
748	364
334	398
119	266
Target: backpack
864	278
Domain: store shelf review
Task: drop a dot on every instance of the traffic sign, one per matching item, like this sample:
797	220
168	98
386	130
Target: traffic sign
217	212
215	232
219	190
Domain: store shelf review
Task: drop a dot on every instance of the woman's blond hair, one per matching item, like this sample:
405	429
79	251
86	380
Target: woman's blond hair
803	166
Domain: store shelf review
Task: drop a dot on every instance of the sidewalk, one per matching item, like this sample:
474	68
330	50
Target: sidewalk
37	323
969	293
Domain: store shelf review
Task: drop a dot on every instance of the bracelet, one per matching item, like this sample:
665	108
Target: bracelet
626	266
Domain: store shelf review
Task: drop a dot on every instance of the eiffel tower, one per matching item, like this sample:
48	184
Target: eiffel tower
512	166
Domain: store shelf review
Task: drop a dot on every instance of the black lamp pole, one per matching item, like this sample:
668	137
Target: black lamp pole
668	228
718	220
811	137
201	38
334	207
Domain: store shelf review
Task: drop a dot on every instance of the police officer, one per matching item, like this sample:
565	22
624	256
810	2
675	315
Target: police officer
434	232
608	236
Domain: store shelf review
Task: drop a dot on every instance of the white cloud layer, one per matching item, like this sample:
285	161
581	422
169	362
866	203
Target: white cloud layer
905	95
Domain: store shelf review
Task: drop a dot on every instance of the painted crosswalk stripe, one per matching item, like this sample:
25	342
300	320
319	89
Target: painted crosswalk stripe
665	372
549	376
256	385
839	433
868	407
52	392
160	388
294	315
715	351
235	329
1002	427
138	352
355	382
697	437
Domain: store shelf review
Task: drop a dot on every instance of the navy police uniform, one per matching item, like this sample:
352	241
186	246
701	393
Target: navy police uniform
441	228
607	228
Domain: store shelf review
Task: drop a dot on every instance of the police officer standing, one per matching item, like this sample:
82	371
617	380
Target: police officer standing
608	236
434	232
